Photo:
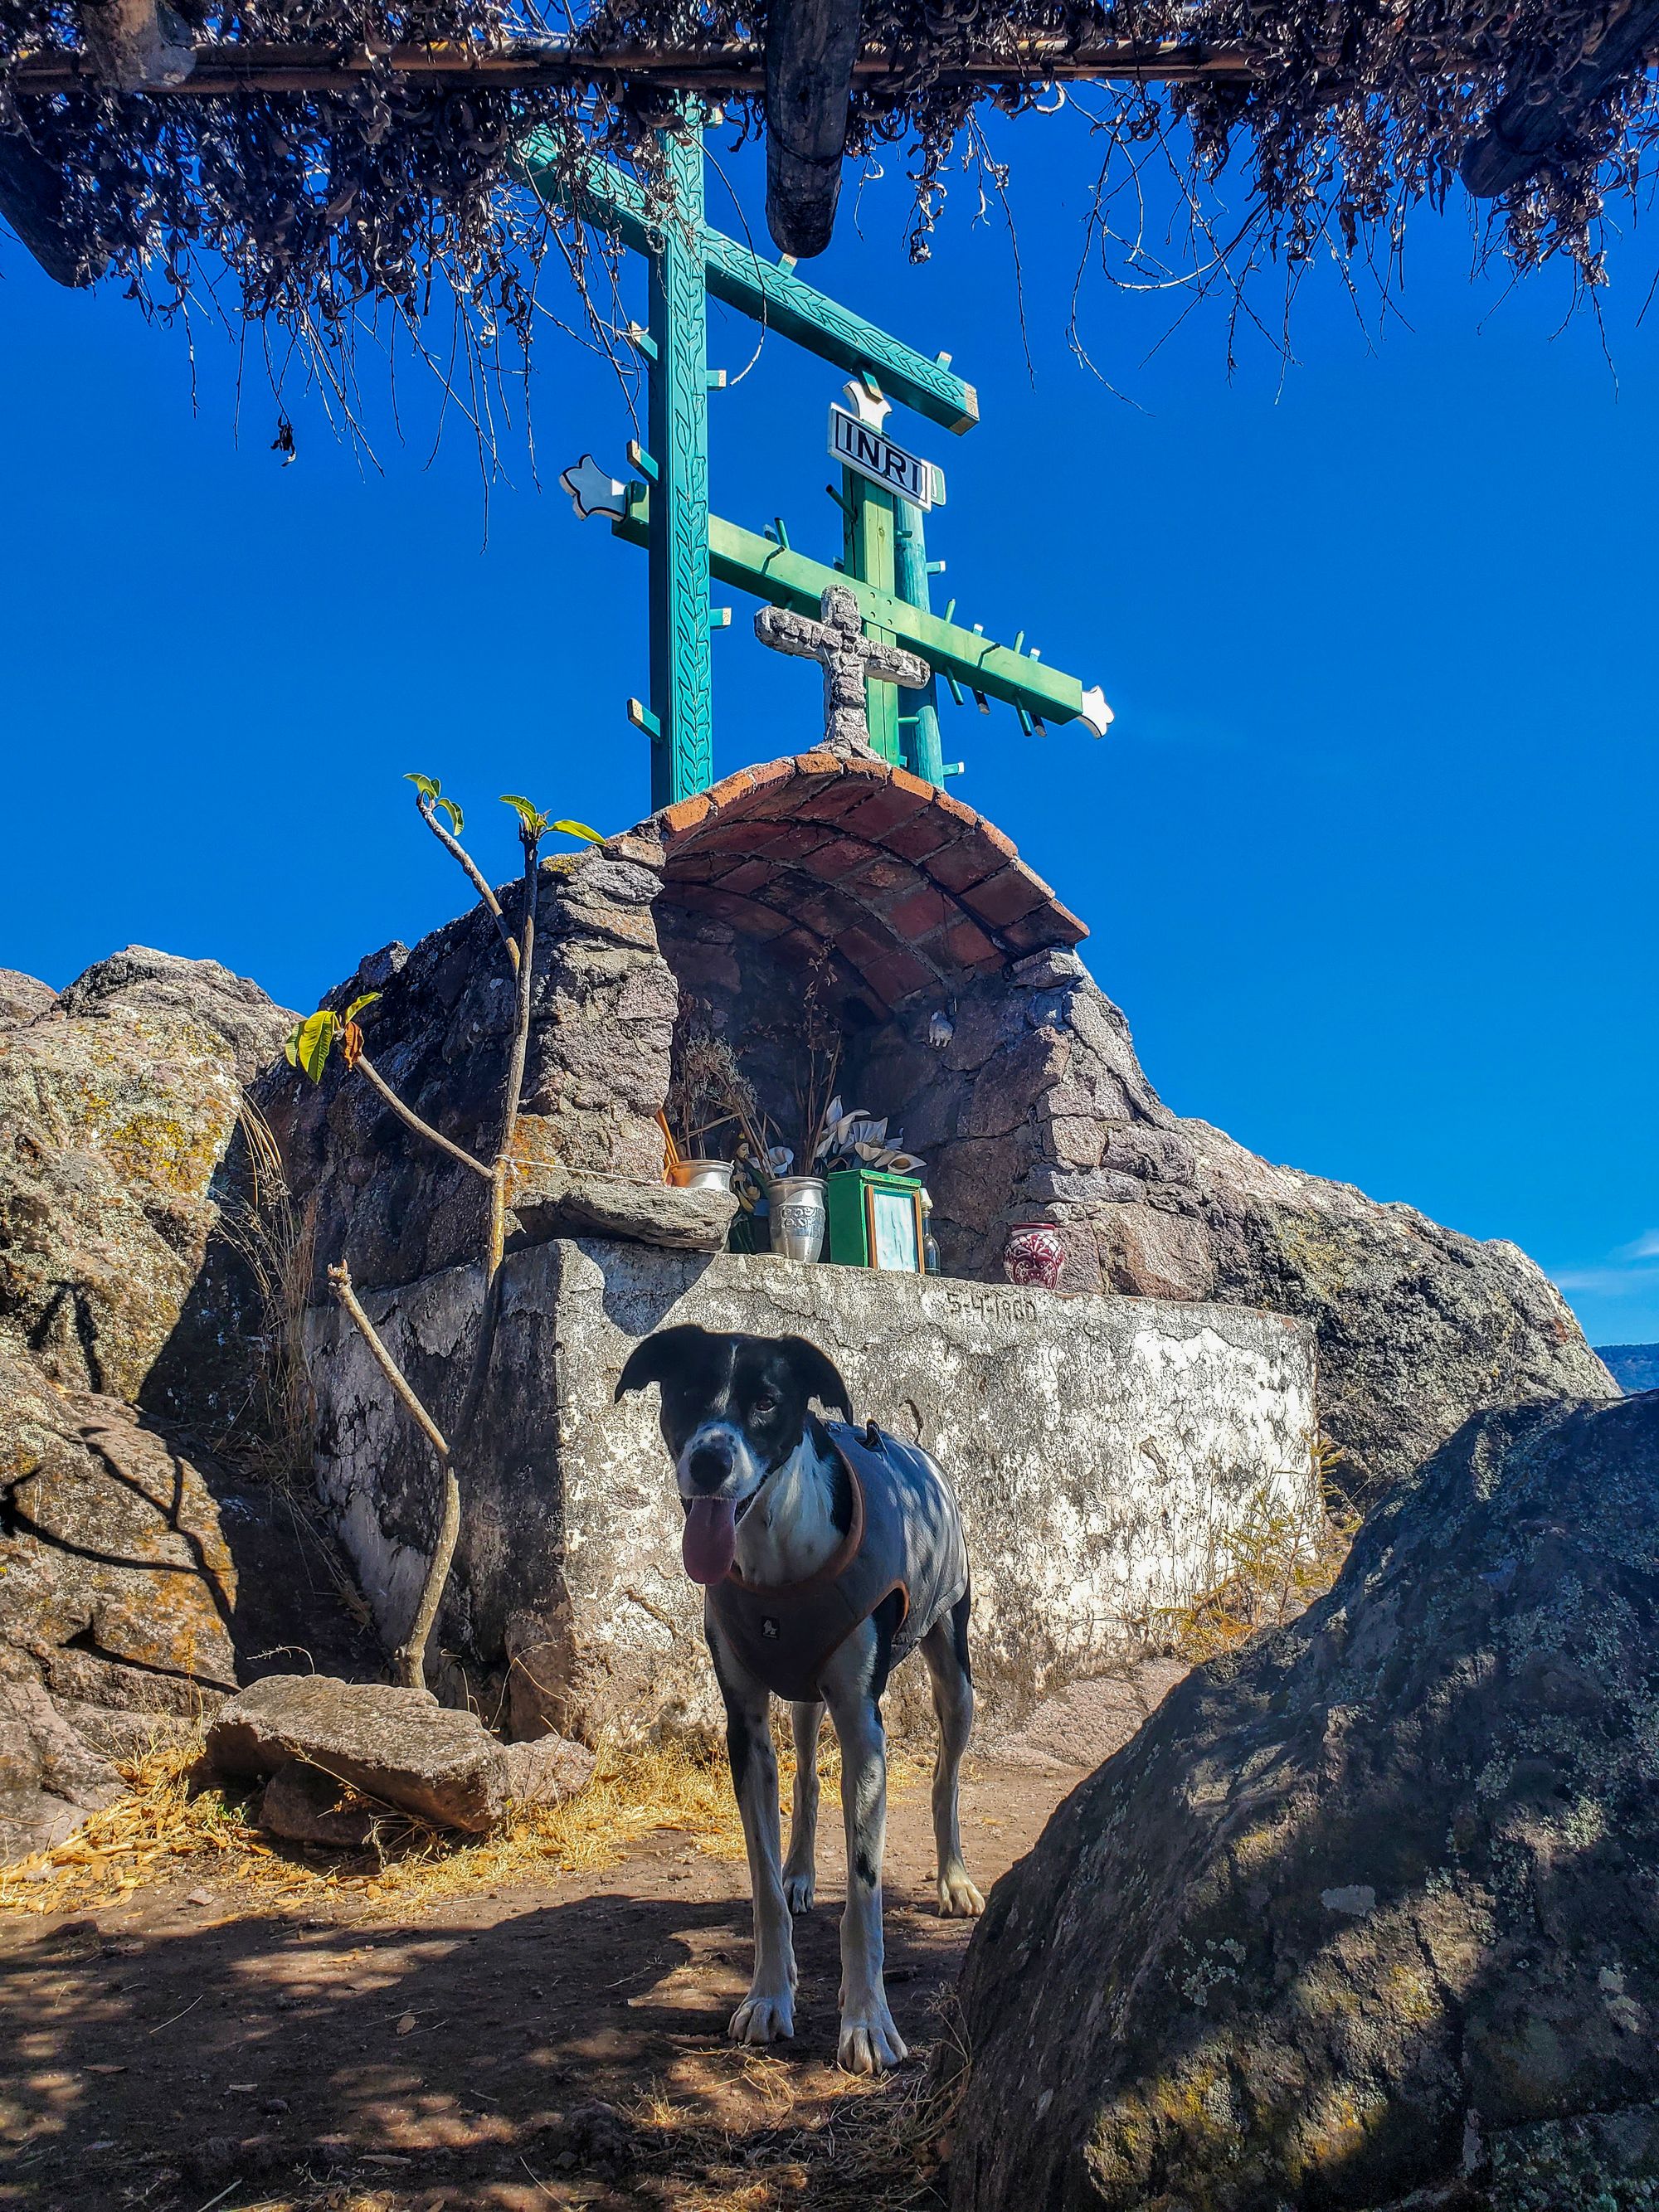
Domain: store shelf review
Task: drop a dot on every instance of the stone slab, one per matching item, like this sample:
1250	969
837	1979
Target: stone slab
1102	1447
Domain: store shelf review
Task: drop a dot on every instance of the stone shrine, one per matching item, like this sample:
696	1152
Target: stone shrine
1105	1443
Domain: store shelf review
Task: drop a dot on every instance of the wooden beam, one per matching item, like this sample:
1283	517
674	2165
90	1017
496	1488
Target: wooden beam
723	68
767	291
1521	136
810	48
784	578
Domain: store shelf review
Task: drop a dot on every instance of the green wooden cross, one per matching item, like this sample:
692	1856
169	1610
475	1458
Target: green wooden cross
885	561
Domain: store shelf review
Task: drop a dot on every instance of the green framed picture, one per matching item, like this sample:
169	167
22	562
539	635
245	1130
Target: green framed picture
876	1221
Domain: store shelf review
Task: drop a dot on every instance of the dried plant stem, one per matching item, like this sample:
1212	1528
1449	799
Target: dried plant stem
453	846
409	1658
412	1119
523	955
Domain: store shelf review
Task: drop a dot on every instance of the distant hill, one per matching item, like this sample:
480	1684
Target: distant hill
1633	1367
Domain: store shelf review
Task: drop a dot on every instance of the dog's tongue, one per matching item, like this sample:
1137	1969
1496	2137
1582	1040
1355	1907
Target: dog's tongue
710	1542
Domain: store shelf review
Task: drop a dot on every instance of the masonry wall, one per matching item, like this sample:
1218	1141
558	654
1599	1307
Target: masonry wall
1103	1449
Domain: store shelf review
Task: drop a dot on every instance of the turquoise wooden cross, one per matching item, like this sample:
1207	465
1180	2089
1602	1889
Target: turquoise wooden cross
885	561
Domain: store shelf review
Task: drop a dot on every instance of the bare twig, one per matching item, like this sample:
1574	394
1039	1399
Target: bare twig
413	1121
429	815
411	1656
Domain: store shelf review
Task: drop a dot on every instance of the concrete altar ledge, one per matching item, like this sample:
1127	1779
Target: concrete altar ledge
1102	1447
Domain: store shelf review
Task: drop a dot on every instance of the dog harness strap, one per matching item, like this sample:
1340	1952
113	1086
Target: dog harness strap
904	1536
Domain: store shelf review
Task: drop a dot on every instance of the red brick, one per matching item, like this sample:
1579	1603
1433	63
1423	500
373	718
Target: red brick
747	915
698	866
923	834
960	865
748	876
831	764
884	810
684	814
819	910
957	811
882	878
924	910
832	800
894	976
970	947
721	794
837	857
789	841
1005	897
771	774
1050	924
1005	846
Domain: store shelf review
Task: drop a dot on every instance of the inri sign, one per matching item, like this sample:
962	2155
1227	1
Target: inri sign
863	448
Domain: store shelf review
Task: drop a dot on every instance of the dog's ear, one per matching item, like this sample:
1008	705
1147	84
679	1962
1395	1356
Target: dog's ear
818	1374
662	1357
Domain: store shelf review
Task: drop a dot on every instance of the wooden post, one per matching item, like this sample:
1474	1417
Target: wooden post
920	748
810	48
682	748
871	540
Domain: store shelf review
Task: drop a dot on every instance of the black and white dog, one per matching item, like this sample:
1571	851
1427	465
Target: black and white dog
828	1554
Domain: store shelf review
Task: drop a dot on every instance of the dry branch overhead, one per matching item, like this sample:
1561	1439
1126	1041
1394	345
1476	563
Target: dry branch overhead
344	159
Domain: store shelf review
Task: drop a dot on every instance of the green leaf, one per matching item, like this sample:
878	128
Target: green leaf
357	1006
312	1043
580	830
454	814
532	816
428	786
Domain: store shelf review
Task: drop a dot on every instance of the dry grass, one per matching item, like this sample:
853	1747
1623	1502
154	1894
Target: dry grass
164	1821
1267	1571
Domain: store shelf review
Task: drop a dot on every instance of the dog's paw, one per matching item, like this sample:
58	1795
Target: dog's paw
798	1890
763	2018
958	1900
870	2043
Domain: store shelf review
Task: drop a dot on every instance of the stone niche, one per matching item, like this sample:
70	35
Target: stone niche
1103	1449
908	902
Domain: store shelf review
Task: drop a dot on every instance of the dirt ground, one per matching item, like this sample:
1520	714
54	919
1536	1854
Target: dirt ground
554	2042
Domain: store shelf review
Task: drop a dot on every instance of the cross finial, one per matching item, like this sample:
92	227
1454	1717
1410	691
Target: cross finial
850	660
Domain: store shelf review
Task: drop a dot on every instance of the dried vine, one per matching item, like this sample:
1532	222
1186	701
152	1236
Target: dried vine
385	191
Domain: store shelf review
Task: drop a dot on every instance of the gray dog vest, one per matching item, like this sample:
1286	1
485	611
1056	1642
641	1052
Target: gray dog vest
906	1535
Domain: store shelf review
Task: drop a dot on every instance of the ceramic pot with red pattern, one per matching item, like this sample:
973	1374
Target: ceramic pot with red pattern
1034	1255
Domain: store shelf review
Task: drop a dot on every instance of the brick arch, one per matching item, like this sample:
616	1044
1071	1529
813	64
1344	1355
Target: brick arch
913	889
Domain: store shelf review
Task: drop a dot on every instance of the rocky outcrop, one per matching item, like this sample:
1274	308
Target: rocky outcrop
394	1746
1367	1909
140	1580
138	1576
22	997
1038	1109
117	1104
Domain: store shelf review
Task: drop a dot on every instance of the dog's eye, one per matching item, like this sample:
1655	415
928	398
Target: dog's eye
767	1402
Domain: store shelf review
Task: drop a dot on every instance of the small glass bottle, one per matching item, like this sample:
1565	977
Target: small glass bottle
929	1248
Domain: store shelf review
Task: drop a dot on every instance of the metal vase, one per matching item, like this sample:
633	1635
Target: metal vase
700	1175
799	1217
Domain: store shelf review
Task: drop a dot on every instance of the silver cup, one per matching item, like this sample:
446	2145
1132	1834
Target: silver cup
799	1216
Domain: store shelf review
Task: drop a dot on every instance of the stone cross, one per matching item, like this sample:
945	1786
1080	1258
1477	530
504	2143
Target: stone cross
850	660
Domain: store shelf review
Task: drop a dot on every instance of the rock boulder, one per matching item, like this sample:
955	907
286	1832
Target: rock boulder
395	1745
1368	1909
23	997
118	1103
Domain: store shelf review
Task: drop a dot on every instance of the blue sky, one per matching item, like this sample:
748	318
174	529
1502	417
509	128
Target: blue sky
1368	858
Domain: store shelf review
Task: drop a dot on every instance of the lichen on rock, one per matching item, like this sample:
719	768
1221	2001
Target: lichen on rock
1369	1908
